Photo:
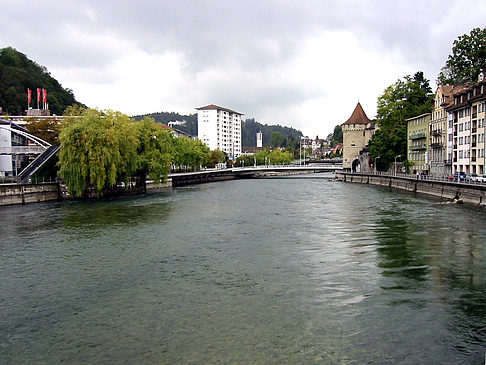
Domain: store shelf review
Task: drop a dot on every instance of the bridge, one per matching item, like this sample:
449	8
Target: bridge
36	146
188	178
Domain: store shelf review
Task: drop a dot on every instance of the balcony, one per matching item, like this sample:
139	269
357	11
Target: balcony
473	159
447	162
455	159
418	147
437	145
474	130
436	132
419	135
455	133
455	146
474	144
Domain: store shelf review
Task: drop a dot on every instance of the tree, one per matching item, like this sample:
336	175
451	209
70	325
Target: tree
154	150
277	139
336	136
217	156
404	99
47	129
190	153
280	157
467	60
97	150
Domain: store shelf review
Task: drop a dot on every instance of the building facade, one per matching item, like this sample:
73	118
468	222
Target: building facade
466	128
357	132
417	143
437	144
220	128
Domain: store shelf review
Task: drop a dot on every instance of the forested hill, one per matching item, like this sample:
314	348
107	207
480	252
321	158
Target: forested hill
18	73
190	121
250	127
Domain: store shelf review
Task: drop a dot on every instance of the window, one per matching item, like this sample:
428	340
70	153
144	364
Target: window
461	154
461	113
461	140
461	127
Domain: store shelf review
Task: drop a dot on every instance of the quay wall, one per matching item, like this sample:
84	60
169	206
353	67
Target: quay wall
470	194
28	193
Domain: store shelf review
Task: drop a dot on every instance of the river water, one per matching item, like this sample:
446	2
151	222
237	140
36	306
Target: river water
269	271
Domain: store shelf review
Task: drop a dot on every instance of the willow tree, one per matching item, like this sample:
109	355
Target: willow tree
154	150
189	153
97	150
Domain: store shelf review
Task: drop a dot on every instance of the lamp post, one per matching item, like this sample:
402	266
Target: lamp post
265	161
376	158
396	163
300	151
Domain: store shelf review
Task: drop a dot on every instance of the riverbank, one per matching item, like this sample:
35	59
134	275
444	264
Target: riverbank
447	190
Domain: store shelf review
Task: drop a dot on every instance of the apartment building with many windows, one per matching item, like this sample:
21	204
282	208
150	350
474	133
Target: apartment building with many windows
437	144
466	128
220	128
417	146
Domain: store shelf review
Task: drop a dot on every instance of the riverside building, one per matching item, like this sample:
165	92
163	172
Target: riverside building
466	128
220	128
439	163
417	146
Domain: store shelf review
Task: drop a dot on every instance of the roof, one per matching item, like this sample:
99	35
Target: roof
215	107
358	116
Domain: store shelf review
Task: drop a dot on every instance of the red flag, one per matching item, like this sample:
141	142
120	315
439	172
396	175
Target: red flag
29	95
44	96
38	94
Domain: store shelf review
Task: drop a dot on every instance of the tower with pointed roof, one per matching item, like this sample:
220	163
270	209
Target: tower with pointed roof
357	131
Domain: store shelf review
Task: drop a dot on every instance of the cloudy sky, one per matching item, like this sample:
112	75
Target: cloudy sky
302	63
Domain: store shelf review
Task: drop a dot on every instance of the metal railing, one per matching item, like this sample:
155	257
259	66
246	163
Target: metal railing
468	179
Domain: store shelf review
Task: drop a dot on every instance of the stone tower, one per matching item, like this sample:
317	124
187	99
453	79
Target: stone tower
357	132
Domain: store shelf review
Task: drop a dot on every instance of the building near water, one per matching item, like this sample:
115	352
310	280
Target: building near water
466	130
357	132
220	128
417	143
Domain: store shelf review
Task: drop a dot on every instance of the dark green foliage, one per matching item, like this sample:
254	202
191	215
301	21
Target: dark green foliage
18	73
405	99
189	127
250	127
467	60
277	139
336	136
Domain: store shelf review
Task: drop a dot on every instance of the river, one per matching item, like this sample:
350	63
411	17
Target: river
267	271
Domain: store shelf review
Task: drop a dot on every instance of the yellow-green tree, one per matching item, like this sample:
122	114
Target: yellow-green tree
98	149
154	150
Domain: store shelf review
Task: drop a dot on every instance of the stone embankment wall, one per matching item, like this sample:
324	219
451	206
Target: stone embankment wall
471	194
28	193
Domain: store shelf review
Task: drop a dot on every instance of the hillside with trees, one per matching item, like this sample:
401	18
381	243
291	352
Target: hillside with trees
250	127
18	73
190	121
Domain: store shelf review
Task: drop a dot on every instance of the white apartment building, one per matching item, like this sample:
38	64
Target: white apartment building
220	128
466	128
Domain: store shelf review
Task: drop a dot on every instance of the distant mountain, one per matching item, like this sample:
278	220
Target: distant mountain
250	127
18	73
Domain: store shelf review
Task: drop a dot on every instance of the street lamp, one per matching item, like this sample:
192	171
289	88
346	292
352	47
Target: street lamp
396	163
265	161
376	158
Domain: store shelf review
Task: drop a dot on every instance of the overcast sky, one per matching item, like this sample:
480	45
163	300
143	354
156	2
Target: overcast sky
301	63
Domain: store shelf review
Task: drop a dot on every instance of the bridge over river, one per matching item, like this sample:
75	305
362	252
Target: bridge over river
187	178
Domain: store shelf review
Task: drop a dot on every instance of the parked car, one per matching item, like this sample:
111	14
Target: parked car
481	178
472	177
458	176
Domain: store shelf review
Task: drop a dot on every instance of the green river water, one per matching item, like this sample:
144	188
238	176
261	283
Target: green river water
268	271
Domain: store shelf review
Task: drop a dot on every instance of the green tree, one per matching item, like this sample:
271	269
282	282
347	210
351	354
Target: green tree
279	157
404	99
97	150
190	154
217	156
154	150
467	60
277	139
